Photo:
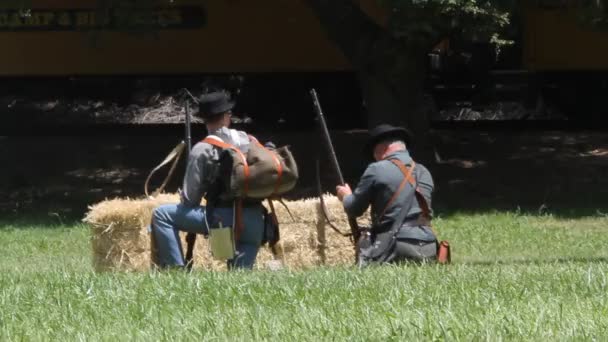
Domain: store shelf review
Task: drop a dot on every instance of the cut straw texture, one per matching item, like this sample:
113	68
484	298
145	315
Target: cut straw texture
121	239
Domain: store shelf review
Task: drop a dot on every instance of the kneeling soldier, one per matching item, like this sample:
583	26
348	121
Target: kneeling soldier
202	174
399	192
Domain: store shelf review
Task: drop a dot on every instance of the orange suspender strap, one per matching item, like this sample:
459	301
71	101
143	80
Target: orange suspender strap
238	215
407	179
221	144
277	163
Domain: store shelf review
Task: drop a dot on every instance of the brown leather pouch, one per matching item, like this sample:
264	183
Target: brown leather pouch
443	252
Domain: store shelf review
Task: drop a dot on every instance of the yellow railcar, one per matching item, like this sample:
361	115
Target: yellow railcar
59	38
568	55
69	37
556	39
72	37
70	49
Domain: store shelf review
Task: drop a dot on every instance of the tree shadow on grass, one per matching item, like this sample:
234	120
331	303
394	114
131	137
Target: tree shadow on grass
536	173
545	172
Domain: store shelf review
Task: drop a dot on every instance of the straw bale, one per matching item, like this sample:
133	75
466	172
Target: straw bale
338	250
121	241
119	234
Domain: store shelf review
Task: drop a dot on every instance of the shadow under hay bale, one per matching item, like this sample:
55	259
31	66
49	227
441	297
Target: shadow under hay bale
121	241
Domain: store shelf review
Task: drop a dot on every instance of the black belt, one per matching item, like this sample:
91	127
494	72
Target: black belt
409	222
413	222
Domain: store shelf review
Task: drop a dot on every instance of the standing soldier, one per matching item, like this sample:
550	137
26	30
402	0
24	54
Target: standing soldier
399	192
201	179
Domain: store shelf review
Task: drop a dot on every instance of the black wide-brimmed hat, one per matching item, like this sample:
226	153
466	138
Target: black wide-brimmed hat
384	132
213	104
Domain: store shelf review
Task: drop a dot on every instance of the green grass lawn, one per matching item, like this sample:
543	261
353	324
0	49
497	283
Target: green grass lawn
513	277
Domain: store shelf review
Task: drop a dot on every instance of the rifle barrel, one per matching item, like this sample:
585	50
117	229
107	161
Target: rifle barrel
326	136
189	120
190	237
352	221
188	127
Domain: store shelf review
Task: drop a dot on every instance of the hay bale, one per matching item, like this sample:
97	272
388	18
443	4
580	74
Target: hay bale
338	250
119	236
121	241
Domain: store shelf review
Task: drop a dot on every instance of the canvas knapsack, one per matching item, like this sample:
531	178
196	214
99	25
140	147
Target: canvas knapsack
259	173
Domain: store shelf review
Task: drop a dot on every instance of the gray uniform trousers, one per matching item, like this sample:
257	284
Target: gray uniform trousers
410	243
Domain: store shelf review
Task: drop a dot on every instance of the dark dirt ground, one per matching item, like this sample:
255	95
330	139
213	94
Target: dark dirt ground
54	179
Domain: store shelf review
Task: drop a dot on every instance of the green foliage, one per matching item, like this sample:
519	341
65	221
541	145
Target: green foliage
419	21
594	13
476	20
514	277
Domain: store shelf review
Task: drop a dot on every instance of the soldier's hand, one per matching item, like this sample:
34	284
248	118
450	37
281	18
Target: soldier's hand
343	191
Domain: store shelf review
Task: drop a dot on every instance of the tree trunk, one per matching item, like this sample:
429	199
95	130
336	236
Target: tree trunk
399	100
402	104
391	74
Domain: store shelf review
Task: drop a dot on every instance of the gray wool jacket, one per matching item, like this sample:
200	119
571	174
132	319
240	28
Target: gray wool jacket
378	184
203	165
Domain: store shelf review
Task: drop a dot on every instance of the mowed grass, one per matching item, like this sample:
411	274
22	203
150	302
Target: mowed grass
513	277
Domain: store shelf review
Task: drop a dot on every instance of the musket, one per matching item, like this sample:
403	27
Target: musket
190	237
324	210
188	129
352	222
189	121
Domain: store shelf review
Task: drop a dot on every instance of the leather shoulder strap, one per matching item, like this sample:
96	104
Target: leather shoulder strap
407	173
422	202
